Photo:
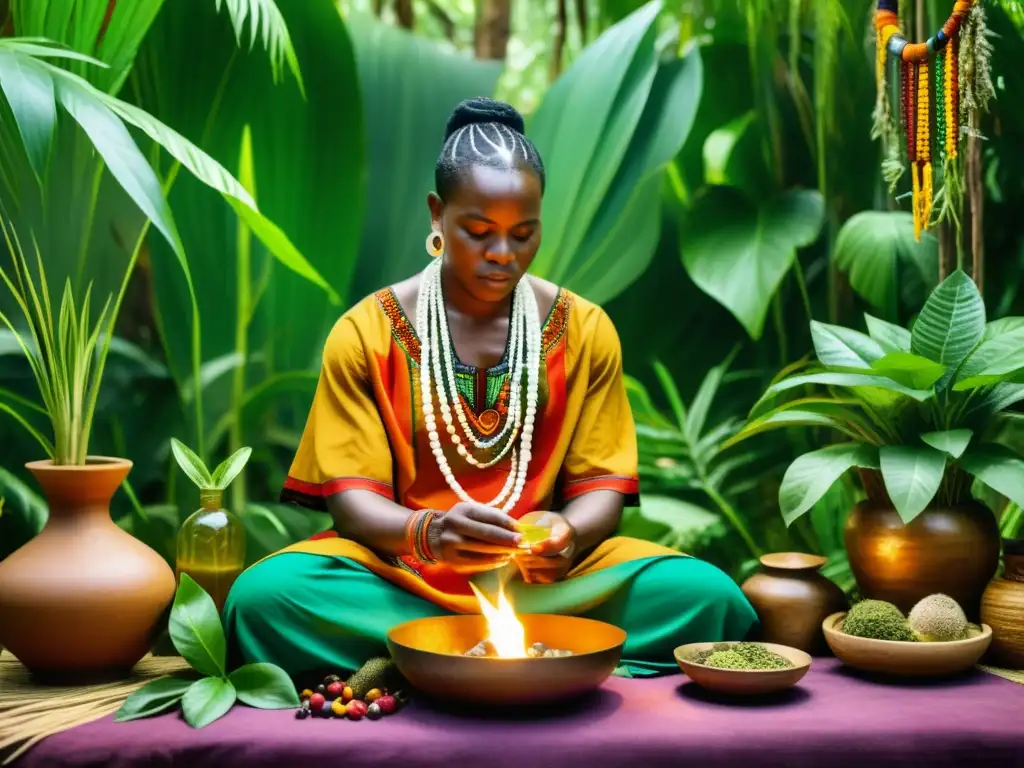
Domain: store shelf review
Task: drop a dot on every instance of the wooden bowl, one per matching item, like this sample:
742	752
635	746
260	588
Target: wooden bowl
905	659
743	682
430	654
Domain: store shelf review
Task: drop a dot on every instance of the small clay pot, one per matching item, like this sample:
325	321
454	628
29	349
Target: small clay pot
953	550
1002	608
792	599
83	599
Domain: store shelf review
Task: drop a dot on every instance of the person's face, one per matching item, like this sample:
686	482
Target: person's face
491	228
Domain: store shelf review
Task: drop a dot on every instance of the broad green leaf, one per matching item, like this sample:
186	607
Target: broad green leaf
265	686
951	441
838	347
810	476
892	338
852	380
872	247
196	630
912	476
618	245
228	469
910	370
583	131
122	157
153	698
1003	325
737	252
191	464
1000	355
997	399
207	700
730	154
30	95
951	323
999	468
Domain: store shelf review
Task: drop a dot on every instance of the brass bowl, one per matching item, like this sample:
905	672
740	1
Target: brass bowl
905	659
430	654
744	682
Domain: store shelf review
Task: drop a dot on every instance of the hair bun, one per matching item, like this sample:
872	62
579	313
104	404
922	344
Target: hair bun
484	110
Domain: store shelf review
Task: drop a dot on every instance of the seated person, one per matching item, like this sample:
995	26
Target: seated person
448	406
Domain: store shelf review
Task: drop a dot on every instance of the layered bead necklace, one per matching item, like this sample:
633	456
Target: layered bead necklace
437	376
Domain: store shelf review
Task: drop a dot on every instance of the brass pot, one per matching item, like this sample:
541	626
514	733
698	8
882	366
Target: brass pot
1002	608
83	599
792	599
953	550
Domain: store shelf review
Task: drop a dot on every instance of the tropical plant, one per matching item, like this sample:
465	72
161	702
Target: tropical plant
196	471
198	636
921	409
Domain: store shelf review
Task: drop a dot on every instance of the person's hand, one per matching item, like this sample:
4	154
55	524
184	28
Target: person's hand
472	538
550	560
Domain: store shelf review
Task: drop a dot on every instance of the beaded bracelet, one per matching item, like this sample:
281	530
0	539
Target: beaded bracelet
416	529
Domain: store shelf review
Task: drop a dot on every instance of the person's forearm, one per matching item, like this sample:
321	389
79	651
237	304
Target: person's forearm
595	516
369	519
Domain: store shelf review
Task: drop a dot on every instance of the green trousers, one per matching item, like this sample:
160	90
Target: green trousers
305	611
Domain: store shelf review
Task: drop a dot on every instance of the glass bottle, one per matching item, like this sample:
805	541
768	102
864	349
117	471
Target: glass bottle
211	546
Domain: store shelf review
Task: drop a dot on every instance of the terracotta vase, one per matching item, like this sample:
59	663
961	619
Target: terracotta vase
1002	608
792	599
83	599
954	551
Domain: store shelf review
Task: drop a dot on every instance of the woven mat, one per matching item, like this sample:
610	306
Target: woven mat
30	712
1013	675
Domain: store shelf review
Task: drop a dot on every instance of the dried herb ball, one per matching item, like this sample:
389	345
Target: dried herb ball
938	618
878	620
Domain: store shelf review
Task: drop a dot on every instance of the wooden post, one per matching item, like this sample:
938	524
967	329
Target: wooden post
493	25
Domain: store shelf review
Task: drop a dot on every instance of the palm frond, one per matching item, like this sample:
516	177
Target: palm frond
267	23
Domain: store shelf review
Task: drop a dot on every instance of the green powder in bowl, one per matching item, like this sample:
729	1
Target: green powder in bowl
748	656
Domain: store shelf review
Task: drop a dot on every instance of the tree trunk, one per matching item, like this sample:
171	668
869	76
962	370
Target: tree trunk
558	51
404	13
493	24
583	19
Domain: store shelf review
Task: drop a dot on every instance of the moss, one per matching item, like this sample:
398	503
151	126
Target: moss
878	620
938	618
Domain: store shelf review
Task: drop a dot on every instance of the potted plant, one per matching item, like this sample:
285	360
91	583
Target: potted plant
921	412
102	587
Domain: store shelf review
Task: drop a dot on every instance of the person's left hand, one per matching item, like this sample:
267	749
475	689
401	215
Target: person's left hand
549	561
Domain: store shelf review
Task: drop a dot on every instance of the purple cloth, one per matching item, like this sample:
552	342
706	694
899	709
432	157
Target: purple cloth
834	717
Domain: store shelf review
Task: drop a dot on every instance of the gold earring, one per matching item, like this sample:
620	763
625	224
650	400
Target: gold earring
435	244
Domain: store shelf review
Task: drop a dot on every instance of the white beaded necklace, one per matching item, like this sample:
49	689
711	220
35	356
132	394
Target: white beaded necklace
437	364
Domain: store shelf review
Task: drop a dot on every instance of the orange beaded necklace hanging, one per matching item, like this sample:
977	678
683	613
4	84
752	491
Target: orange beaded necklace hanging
915	95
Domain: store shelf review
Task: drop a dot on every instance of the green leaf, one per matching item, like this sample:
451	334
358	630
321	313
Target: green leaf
838	347
999	356
892	338
951	441
871	248
25	513
265	20
997	399
738	252
207	700
228	469
271	527
951	323
153	698
912	477
29	91
42	48
196	630
191	464
1003	325
910	370
809	477
793	417
680	524
856	381
265	686
999	468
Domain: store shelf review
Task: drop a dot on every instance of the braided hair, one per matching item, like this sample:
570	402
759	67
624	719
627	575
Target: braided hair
482	131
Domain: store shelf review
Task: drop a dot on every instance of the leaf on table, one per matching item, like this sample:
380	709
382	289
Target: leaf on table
196	630
207	700
265	686
153	698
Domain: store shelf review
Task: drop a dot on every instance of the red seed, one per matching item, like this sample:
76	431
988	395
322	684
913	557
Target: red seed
355	709
316	701
387	704
334	690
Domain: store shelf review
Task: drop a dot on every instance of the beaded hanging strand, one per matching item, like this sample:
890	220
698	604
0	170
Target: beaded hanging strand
915	96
